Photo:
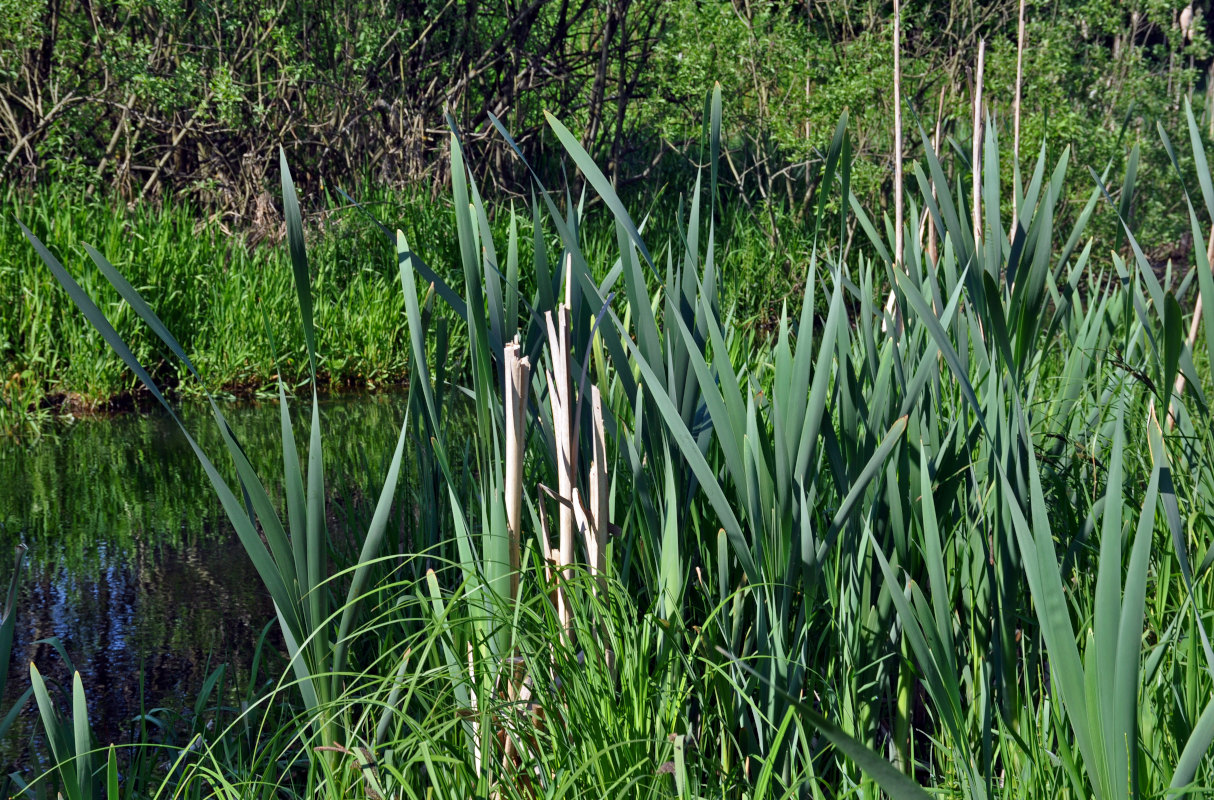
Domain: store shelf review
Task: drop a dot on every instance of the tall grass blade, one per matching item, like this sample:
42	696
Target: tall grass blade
887	776
299	257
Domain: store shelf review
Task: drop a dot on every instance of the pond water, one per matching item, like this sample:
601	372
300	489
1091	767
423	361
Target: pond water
132	564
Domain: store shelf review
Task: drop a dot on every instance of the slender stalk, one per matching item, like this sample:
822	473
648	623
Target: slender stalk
891	306
1193	326
898	210
932	252
518	384
1016	113
596	529
562	427
977	148
596	533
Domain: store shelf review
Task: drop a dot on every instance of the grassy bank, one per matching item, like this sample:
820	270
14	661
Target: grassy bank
961	544
218	290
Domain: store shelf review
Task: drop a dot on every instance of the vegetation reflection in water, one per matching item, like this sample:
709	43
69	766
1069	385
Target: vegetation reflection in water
132	565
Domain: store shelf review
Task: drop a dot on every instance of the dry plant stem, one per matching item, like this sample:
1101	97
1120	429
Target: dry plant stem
898	210
597	534
593	518
1016	111
518	384
977	148
560	396
584	518
1193	326
476	727
891	305
932	253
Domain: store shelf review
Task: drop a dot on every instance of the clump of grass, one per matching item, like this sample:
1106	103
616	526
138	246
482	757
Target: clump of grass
856	556
217	292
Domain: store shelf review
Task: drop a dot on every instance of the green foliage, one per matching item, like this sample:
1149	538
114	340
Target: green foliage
1097	77
217	292
962	540
364	87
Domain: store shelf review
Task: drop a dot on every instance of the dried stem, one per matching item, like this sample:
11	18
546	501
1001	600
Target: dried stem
891	305
932	253
1016	115
560	396
898	210
1193	326
518	385
977	148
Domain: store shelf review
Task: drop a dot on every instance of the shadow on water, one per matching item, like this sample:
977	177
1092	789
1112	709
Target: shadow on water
132	564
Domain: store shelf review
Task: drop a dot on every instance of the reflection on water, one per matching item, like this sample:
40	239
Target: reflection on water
131	562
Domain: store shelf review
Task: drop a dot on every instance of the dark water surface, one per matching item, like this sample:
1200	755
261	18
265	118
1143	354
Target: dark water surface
132	564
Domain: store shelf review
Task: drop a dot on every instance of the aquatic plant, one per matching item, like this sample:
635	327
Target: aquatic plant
962	541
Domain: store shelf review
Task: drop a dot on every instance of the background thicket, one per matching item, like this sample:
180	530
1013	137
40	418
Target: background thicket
171	110
151	97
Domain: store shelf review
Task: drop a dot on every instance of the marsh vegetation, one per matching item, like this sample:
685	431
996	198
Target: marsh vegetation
772	470
959	542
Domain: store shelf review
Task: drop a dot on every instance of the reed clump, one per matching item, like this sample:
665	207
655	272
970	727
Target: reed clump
961	553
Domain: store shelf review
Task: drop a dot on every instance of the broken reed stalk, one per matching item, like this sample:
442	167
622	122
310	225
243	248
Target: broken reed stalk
1193	326
898	210
517	388
1016	117
592	517
932	252
596	534
561	397
473	716
891	305
518	385
975	167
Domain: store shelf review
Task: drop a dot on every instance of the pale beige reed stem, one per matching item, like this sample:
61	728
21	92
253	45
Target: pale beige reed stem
560	397
1016	112
517	390
898	210
592	517
1193	327
932	253
891	305
518	386
977	146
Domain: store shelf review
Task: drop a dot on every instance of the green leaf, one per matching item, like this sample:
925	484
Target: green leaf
111	776
1173	344
887	776
1195	749
299	257
83	737
699	466
600	183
